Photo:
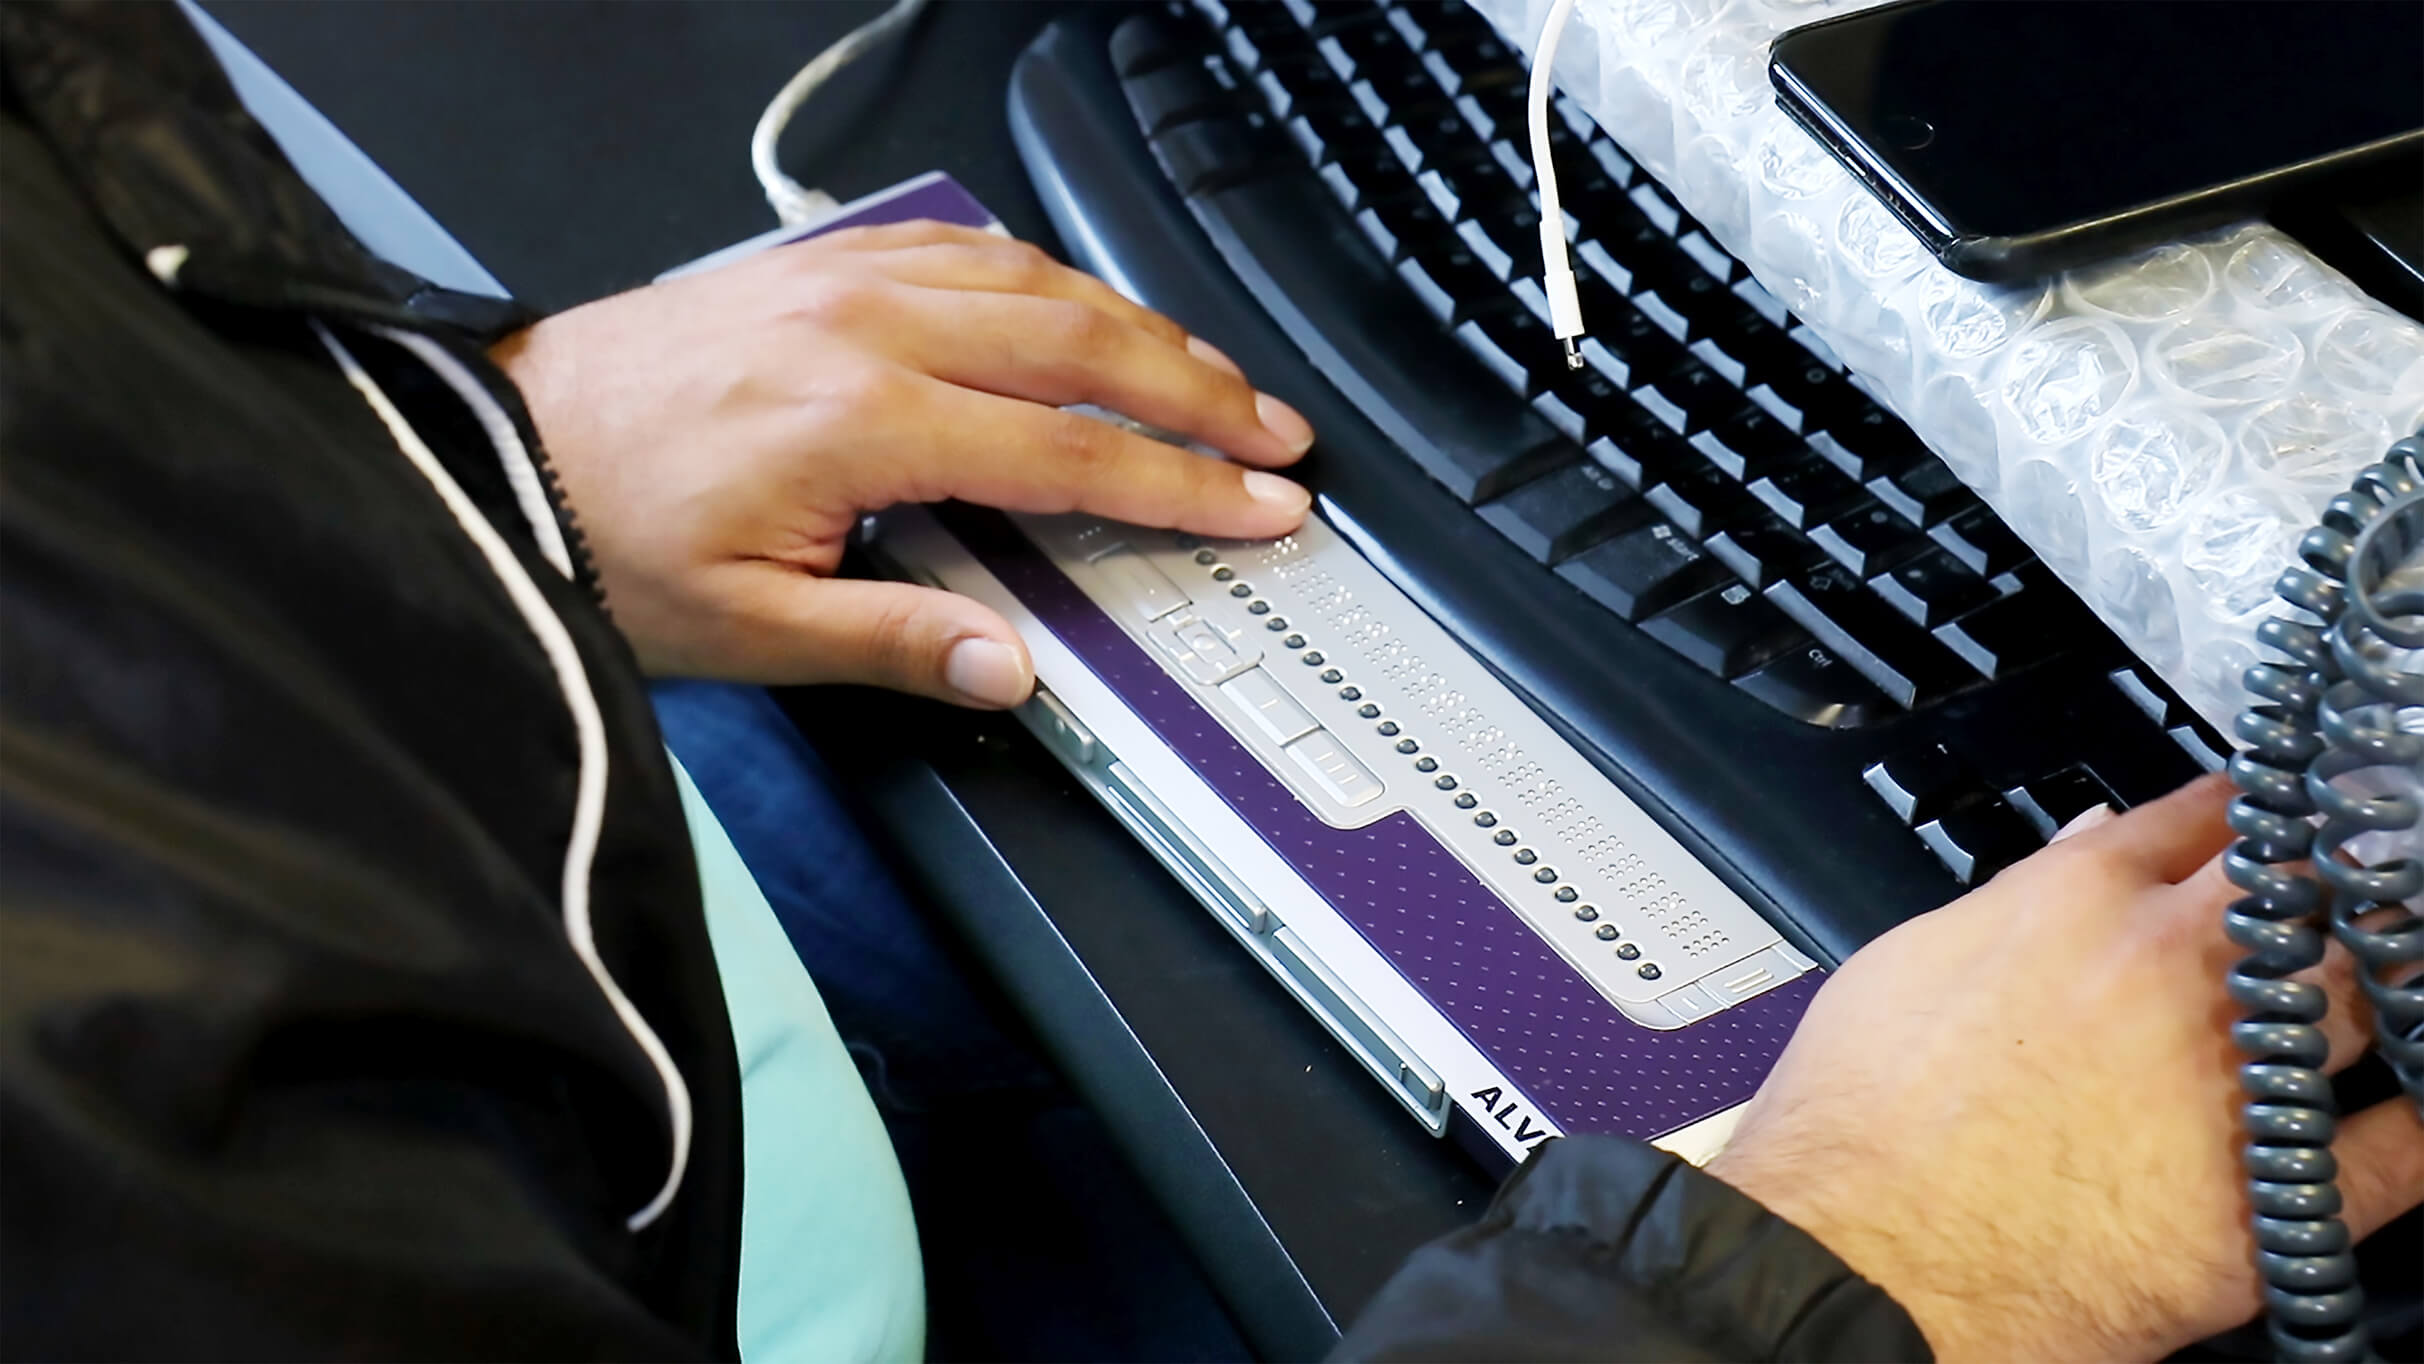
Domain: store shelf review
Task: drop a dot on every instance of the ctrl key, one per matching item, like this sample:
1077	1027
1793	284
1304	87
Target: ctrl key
1816	687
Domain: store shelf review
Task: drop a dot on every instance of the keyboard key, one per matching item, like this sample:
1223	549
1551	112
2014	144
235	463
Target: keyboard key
1807	494
1560	513
1924	493
1495	115
1932	587
1980	840
1762	302
1658	206
1215	153
1443	139
1643	570
1595	259
1816	687
2142	693
2050	802
1700	499
1399	230
1399	94
1553	407
1144	43
1919	784
1597	406
1480	65
1807	397
1869	540
1899	657
2038	622
2201	750
1340	133
1981	541
1709	256
1689	397
1453	285
1410	25
1631	340
1870	442
1809	341
1637	448
1748	444
1508	243
1178	92
1727	631
1363	177
1762	550
1516	347
1613	163
1693	306
1364	50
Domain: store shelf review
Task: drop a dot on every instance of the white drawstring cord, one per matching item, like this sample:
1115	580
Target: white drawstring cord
792	201
589	730
1557	269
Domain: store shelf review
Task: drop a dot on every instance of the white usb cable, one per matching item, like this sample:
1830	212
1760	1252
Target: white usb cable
792	201
1557	273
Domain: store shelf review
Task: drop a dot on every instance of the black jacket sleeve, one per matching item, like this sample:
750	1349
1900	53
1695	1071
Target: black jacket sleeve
297	1055
1605	1249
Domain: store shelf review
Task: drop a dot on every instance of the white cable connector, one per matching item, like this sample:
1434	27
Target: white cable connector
792	201
1557	272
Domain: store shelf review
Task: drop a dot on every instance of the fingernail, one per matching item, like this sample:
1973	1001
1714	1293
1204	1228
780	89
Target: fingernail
2083	821
1274	491
1284	422
1211	355
987	672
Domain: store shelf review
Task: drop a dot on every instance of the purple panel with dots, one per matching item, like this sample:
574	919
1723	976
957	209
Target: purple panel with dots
1589	1067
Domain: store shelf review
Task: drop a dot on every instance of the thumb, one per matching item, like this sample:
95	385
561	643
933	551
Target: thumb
2381	1155
909	638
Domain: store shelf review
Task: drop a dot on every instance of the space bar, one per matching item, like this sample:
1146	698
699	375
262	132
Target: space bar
1304	261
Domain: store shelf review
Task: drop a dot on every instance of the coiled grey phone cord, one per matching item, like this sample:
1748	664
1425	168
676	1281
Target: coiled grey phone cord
2330	711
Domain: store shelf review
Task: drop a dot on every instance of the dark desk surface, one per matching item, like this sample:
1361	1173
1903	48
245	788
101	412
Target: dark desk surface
577	148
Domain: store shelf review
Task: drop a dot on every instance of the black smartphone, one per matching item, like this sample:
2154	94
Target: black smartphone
2021	137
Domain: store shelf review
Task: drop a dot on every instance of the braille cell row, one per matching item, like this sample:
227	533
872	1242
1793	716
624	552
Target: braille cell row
1294	641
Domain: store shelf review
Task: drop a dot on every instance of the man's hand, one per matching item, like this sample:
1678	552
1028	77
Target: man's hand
719	435
2019	1114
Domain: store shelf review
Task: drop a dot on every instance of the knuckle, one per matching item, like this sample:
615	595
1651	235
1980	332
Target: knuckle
830	300
872	394
1083	333
1026	261
1082	446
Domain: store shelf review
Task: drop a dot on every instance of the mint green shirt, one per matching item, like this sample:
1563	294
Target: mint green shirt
829	1255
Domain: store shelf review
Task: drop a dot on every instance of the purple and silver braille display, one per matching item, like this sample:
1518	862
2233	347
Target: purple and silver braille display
1587	1065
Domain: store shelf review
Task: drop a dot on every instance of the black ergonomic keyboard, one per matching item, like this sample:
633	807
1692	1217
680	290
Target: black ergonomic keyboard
1743	585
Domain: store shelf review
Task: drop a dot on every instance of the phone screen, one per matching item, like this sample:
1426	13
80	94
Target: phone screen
2007	118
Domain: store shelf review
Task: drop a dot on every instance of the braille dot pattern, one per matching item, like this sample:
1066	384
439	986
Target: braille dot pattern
1587	1065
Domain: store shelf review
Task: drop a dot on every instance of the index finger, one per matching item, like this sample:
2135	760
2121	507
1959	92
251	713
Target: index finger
1018	456
2169	838
947	256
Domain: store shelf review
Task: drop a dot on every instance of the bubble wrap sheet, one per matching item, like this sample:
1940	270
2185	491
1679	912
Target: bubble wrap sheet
2159	429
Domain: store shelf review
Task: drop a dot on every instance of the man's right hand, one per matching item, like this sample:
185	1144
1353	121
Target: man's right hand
719	435
2020	1115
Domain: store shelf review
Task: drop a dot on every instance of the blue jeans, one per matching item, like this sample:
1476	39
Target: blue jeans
1038	1241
